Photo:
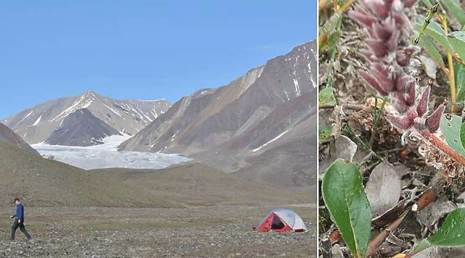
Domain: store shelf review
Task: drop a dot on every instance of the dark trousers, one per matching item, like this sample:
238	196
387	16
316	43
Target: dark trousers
21	227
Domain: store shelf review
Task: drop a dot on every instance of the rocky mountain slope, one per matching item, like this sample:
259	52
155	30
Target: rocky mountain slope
37	124
43	182
81	128
7	136
249	122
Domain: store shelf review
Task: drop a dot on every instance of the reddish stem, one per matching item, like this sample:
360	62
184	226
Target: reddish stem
438	143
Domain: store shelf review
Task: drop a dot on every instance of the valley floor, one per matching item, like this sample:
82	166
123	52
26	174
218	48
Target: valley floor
154	232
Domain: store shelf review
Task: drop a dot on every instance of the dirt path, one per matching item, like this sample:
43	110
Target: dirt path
123	232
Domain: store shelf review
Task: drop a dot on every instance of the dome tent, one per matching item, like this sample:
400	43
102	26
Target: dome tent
282	220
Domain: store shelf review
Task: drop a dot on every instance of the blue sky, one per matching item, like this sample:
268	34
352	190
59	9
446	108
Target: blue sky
139	49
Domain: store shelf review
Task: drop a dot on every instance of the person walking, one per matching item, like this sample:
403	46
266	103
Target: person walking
18	220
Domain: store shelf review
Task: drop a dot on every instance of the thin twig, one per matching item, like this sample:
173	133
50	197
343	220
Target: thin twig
377	114
375	242
349	106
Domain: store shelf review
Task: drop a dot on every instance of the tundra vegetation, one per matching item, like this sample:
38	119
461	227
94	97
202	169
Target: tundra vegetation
392	156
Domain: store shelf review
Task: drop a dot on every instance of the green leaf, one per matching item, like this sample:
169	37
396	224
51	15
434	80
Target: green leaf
454	7
459	71
326	96
431	49
422	245
330	25
462	134
451	233
324	133
451	128
457	40
332	41
435	31
348	205
427	3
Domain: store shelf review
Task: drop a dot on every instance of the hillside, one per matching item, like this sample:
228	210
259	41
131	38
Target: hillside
232	127
43	182
9	137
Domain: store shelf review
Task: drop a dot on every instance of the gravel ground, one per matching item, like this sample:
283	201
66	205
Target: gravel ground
126	232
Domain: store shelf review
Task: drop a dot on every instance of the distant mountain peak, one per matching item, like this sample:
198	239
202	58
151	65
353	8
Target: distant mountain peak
37	124
81	128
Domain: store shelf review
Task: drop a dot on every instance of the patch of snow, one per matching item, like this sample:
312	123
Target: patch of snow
144	114
112	110
37	121
154	113
76	106
272	140
297	87
107	156
314	53
310	77
287	95
24	118
155	100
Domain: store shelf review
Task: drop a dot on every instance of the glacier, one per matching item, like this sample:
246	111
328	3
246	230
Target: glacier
106	155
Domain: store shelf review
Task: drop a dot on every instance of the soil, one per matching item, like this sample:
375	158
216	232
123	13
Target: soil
154	232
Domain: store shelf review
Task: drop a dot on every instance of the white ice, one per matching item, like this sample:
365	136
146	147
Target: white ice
107	156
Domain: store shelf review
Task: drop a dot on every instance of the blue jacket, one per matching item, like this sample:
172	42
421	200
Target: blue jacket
19	212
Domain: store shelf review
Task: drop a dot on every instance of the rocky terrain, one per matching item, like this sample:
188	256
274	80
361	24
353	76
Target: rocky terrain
37	124
254	122
182	232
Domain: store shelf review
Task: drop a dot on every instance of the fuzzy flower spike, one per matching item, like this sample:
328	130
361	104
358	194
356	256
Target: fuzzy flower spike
392	66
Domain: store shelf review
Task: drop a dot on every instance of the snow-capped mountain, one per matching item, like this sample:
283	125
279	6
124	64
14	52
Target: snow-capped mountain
37	124
267	117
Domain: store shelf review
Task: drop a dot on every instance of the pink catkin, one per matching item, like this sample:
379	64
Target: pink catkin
390	54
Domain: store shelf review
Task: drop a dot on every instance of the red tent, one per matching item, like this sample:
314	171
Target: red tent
282	220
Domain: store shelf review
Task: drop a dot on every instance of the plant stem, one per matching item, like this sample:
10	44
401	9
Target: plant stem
322	40
377	115
450	61
438	143
373	245
335	6
329	82
347	5
322	5
365	145
432	11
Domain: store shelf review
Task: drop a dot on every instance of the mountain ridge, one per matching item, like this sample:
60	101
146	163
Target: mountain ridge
213	127
36	124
